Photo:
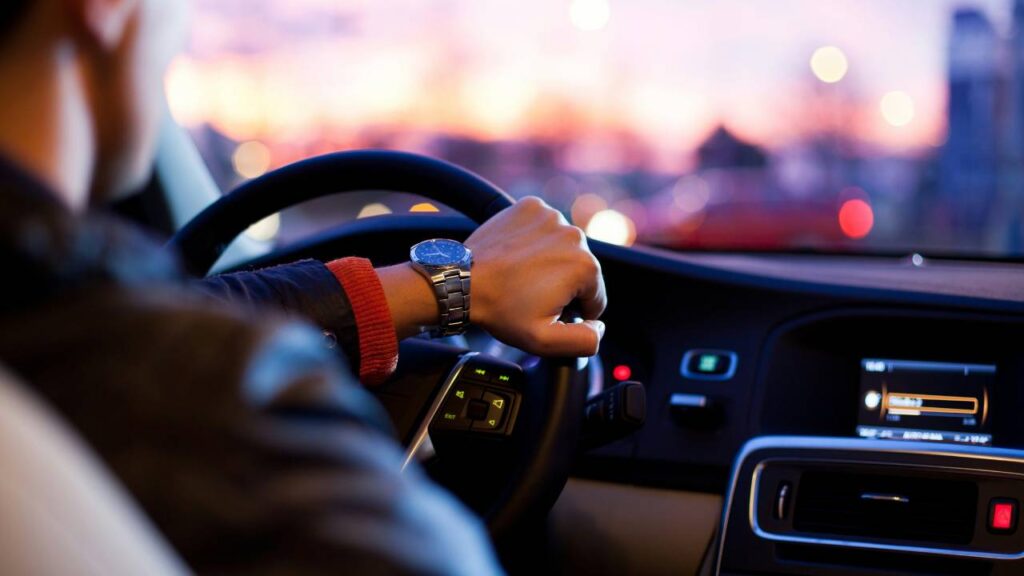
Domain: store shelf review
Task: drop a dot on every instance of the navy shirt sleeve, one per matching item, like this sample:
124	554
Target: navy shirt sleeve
305	288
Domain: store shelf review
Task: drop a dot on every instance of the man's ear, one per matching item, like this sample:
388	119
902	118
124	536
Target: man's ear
105	21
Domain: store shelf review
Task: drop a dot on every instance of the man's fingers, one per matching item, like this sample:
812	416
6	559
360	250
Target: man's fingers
591	295
578	339
592	298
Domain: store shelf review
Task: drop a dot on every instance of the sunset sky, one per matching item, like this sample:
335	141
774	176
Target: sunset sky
665	71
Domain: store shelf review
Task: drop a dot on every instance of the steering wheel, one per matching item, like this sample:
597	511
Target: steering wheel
509	473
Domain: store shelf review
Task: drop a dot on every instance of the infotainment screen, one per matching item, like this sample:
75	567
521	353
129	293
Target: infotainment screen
930	401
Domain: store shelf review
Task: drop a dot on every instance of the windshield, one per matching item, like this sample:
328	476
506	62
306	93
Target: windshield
829	125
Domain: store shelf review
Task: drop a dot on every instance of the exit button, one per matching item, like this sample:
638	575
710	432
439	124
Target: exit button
708	364
1002	515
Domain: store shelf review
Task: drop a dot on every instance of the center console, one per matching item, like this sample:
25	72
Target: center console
849	506
909	376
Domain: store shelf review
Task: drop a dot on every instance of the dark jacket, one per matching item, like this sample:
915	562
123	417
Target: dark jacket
241	435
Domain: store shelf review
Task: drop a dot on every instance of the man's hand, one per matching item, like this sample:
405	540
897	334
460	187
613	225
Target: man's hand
528	265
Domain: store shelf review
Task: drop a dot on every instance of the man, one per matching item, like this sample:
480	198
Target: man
232	425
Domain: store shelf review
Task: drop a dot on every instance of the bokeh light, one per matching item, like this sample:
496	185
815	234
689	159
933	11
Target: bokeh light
589	15
373	209
829	64
251	159
635	210
584	208
691	194
613	227
856	218
424	207
897	108
265	230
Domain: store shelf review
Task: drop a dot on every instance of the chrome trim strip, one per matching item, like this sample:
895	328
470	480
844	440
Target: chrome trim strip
874	496
782	500
435	406
982	453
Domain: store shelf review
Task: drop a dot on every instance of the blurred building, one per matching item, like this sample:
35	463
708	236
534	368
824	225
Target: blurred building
969	165
1007	232
735	169
725	150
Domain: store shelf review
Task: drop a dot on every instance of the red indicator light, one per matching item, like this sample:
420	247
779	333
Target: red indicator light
622	372
1003	516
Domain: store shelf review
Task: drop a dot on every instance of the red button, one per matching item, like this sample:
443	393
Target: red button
1002	516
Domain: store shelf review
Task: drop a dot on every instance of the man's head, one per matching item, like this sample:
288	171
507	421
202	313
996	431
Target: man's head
95	69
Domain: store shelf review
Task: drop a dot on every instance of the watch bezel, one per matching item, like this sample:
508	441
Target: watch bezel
463	262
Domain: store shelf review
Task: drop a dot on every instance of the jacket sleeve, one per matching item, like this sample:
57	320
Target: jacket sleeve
306	289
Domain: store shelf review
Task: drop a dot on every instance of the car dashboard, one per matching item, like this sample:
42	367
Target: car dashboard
858	414
785	341
780	385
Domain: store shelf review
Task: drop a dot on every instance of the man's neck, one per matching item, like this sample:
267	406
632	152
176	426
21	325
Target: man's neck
45	127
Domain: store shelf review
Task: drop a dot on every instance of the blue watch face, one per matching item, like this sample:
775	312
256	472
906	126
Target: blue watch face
439	252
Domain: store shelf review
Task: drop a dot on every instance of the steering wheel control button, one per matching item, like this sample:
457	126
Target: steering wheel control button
451	420
497	406
480	373
1002	516
453	414
702	364
477	410
503	378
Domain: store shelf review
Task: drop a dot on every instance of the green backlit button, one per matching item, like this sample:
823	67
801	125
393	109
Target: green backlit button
448	419
708	363
452	415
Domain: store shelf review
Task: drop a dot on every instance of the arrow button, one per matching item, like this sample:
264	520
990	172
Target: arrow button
497	406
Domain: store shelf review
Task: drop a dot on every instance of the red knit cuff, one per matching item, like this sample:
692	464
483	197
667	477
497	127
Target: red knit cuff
378	343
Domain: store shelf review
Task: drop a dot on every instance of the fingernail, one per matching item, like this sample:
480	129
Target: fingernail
600	328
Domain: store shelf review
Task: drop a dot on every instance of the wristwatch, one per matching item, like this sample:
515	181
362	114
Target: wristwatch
446	264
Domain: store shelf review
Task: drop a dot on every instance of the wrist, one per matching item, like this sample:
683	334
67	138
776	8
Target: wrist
410	298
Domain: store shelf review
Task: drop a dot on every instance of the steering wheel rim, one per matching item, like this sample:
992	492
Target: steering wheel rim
202	241
544	441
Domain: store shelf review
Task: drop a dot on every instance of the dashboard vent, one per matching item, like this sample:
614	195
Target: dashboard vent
906	508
